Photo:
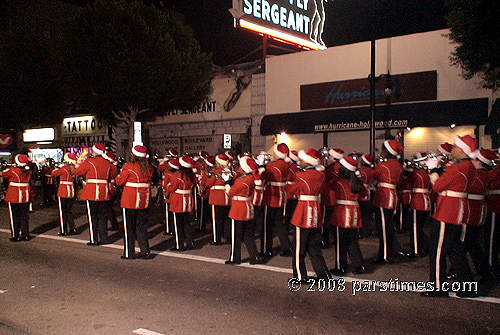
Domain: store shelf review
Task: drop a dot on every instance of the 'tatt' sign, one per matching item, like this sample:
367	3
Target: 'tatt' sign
299	22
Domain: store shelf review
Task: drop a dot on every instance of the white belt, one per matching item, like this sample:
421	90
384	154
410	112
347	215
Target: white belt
421	190
289	182
475	197
453	194
308	197
277	183
19	184
387	185
241	198
405	191
347	202
66	182
218	187
136	184
183	191
259	187
97	181
48	175
494	192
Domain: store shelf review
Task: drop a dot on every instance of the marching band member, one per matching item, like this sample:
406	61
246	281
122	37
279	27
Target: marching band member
218	199
48	183
347	217
110	156
420	205
404	193
168	168
241	213
98	172
276	176
205	193
307	217
492	233
17	198
291	199
198	167
258	195
388	174
452	207
66	194
136	179
181	203
366	171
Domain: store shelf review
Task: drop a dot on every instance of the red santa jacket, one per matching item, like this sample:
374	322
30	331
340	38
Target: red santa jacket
240	192
366	176
167	177
136	186
181	194
97	172
478	206
420	190
292	170
215	183
331	175
112	182
388	175
46	174
308	186
275	176
346	213
452	188
404	190
205	191
494	191
18	191
66	187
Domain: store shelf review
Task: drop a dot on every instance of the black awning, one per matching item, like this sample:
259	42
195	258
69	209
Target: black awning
422	114
493	123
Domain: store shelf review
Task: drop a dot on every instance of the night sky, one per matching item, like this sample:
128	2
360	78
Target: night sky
348	21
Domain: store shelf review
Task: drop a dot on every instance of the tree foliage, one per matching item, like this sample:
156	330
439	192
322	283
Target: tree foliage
474	26
121	59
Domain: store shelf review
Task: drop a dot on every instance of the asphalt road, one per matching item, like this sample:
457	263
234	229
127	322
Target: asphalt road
59	285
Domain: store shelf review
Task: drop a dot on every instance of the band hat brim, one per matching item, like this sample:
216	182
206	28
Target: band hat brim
482	158
185	164
139	154
366	160
278	153
97	151
244	165
347	165
18	162
221	162
390	149
335	154
308	159
173	166
465	148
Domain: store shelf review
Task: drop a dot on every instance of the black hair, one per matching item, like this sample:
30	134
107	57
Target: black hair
356	183
187	172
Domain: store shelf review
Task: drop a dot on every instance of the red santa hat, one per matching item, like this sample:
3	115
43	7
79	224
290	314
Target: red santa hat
312	157
281	150
445	148
173	152
21	160
336	153
99	149
222	159
186	161
467	143
421	155
70	158
248	164
230	155
485	156
210	160
174	164
294	155
110	156
368	159
140	151
394	147
203	154
349	163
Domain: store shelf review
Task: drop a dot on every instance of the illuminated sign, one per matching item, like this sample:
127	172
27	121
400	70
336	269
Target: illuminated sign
83	125
137	133
39	135
299	22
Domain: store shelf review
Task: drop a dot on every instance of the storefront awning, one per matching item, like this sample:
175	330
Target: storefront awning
493	123
422	114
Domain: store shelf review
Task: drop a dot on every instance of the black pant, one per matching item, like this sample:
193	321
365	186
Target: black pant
472	246
169	220
403	217
135	227
66	214
242	231
308	240
205	216
445	241
347	243
182	230
48	193
290	206
418	239
112	214
19	220
258	212
273	217
325	230
388	244
367	210
220	222
492	237
97	214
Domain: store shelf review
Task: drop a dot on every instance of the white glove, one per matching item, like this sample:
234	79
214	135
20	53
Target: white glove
260	160
432	162
226	176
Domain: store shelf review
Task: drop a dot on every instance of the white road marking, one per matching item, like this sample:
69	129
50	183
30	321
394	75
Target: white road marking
271	268
143	331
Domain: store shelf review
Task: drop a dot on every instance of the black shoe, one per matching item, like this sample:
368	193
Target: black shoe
91	243
125	257
338	272
147	255
468	294
102	243
189	246
216	243
381	261
287	253
62	234
165	233
72	232
359	270
229	262
175	249
227	242
451	276
257	260
402	253
25	238
434	294
15	239
266	254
